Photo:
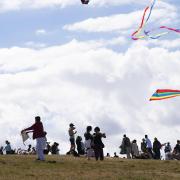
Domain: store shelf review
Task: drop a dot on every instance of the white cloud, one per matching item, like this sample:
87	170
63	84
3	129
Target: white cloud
85	83
41	32
35	45
166	43
120	22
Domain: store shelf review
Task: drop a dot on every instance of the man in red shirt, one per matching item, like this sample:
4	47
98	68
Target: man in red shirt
39	135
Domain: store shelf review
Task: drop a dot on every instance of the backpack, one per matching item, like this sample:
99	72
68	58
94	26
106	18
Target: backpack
167	149
127	142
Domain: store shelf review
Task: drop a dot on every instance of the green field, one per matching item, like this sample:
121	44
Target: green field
25	167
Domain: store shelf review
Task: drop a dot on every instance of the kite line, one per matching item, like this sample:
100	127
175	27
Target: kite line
136	35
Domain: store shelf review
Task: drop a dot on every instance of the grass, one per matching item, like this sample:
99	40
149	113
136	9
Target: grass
25	167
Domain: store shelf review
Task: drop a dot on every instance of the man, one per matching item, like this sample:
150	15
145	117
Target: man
127	145
156	148
39	135
149	146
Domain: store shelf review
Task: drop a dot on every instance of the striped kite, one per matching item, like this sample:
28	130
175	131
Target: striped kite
161	94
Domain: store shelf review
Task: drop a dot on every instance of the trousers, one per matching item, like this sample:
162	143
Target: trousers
40	146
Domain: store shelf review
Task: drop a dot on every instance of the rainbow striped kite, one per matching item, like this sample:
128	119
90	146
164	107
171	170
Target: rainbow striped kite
161	94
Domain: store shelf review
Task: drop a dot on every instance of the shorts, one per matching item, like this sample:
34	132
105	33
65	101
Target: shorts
72	141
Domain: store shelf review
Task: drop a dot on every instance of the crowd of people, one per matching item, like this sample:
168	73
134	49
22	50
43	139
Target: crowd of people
92	146
148	149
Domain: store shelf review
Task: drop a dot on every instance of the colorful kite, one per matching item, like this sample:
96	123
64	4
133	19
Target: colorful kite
161	94
136	35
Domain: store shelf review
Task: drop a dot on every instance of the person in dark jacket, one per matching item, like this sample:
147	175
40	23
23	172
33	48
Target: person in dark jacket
127	146
1	150
79	145
54	148
156	149
143	146
98	144
39	135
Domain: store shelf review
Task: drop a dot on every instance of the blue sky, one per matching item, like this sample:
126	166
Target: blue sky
73	63
19	26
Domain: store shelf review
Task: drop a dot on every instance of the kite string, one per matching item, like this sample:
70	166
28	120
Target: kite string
136	36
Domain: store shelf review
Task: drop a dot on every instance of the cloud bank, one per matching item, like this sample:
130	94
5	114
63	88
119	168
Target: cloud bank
88	84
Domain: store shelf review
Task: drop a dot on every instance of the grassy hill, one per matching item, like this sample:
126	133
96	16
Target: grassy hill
25	167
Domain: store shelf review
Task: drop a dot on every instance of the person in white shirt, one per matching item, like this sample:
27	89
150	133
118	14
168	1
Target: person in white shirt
149	146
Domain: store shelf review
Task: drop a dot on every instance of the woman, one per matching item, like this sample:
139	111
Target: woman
88	142
134	149
98	144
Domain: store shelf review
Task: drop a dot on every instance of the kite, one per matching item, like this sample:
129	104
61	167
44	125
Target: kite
161	94
147	34
85	1
25	136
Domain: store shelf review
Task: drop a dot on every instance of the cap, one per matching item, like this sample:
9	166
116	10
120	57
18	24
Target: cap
71	124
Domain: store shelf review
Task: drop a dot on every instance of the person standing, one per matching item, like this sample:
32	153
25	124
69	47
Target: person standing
88	142
149	146
143	146
72	137
127	145
134	149
98	144
8	147
167	151
156	149
39	135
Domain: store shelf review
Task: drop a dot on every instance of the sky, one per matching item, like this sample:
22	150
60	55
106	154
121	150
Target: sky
74	63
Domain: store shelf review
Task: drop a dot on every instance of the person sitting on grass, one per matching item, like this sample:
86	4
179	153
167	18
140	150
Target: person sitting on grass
80	146
54	148
98	144
29	148
39	135
176	151
47	148
115	155
1	150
